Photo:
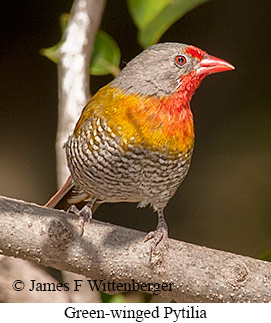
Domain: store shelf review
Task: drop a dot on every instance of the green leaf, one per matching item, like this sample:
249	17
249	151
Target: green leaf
51	52
106	298
165	12
118	299
63	21
105	58
143	11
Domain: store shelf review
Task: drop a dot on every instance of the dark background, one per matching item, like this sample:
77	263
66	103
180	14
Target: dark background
224	202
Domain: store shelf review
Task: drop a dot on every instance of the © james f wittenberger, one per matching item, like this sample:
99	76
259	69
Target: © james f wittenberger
102	285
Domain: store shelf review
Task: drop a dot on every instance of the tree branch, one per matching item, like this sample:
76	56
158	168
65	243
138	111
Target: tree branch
73	72
198	274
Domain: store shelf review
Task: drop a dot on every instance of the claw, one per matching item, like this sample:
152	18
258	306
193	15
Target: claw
159	239
159	242
73	209
149	236
85	215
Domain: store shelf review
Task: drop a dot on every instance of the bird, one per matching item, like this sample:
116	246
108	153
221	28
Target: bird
134	139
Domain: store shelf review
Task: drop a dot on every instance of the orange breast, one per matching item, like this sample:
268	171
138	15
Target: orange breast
164	124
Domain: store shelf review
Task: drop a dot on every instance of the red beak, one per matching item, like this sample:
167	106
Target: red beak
212	64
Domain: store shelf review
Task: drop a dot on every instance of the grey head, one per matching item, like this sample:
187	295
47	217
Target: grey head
156	71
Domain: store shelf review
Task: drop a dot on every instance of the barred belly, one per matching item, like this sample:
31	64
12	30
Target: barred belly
106	169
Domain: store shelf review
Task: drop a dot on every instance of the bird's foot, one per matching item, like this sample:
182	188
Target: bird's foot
85	215
159	243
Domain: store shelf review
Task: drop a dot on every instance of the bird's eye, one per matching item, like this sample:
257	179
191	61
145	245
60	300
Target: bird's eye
180	60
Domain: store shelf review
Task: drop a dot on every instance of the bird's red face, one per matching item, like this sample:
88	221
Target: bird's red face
195	64
208	64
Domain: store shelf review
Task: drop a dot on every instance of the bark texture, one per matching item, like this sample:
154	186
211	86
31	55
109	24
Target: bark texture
105	251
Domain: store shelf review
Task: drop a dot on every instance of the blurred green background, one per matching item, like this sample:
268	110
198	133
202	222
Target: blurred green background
224	202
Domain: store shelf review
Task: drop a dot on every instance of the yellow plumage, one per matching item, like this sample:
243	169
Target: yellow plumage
155	123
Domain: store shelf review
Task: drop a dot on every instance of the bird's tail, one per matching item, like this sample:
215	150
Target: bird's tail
61	193
68	195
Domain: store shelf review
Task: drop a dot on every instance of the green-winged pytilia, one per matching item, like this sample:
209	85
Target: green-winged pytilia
134	139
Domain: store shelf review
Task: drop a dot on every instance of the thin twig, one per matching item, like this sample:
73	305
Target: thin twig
73	72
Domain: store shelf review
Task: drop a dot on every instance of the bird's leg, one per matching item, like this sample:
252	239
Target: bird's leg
159	236
85	214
